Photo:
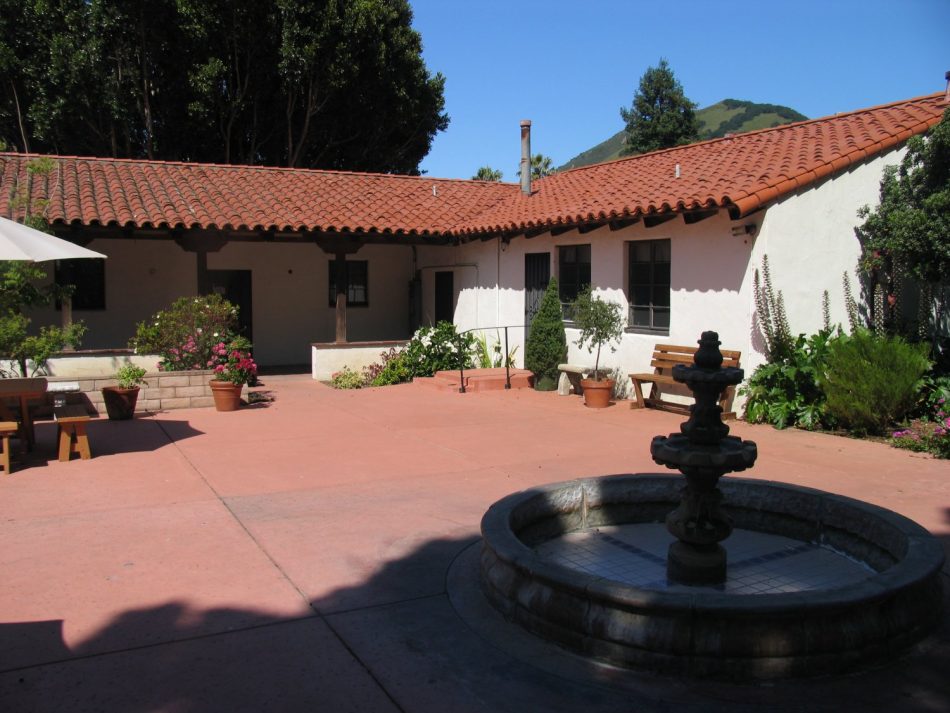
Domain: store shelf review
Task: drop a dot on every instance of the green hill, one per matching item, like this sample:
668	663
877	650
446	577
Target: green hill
730	116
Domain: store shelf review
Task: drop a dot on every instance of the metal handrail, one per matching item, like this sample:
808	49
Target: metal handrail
507	362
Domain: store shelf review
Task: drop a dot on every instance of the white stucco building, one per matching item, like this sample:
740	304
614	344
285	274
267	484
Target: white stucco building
674	237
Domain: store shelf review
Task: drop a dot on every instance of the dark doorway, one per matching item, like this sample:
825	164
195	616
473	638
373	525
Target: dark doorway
537	274
235	287
444	297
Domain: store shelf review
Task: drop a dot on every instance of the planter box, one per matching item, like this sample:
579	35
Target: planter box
91	370
327	358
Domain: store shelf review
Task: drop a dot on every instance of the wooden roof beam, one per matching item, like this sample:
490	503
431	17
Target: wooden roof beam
655	219
695	216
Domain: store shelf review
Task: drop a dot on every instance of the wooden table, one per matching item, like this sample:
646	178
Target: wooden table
23	390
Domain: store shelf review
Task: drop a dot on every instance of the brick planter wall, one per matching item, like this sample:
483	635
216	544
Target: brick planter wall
165	390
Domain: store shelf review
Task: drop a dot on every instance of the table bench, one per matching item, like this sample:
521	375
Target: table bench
570	378
8	429
665	357
71	422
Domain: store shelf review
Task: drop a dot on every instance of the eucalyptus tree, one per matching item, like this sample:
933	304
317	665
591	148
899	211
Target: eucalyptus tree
334	84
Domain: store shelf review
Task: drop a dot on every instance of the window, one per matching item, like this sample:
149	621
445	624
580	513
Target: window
88	276
573	273
649	286
357	289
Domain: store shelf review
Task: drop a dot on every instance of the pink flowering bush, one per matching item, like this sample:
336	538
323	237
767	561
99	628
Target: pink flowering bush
232	362
185	334
927	436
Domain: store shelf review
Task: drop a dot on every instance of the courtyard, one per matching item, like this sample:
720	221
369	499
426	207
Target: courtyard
319	552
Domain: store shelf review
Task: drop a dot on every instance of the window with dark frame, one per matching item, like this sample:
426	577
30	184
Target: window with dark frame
573	274
357	283
649	285
88	277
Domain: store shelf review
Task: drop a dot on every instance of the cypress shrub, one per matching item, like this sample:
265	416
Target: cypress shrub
546	345
871	382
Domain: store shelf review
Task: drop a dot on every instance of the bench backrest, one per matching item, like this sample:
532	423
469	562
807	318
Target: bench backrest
666	356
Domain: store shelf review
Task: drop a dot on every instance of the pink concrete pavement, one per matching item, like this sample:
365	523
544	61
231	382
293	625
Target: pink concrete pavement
295	555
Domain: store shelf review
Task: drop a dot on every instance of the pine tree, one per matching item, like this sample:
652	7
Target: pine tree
546	346
661	115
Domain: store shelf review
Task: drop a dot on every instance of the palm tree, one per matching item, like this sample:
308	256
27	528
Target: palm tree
487	173
541	166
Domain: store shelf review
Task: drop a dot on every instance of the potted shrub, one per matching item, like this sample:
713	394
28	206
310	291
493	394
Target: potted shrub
120	399
600	322
234	368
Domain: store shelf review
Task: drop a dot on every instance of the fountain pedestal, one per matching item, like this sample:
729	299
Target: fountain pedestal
703	452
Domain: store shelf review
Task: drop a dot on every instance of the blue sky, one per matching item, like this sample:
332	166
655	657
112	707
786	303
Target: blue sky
570	65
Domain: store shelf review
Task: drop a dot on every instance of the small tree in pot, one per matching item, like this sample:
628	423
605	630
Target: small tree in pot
600	322
120	399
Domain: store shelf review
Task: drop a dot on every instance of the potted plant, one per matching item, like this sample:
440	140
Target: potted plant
120	399
600	322
234	368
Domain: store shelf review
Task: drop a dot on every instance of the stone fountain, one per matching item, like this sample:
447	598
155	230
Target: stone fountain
733	593
703	452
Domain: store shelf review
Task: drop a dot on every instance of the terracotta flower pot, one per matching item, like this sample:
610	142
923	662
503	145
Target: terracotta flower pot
597	393
120	403
227	396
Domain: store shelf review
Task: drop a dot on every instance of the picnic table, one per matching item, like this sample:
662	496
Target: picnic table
23	391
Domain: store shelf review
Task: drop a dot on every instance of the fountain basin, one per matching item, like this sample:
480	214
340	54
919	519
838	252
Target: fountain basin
701	630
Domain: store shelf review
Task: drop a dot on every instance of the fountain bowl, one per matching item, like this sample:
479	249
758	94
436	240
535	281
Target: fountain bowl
703	631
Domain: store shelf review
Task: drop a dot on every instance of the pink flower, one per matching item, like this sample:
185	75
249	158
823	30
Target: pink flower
219	368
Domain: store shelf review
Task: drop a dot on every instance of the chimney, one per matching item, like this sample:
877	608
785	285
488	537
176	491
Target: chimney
526	156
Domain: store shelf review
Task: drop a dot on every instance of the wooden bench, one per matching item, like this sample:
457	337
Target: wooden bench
665	357
8	429
570	378
71	421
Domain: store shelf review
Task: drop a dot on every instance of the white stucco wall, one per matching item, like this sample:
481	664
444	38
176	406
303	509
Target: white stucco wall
707	271
289	293
142	277
809	238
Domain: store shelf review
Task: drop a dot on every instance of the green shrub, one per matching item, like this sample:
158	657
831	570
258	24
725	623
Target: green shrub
438	348
129	376
346	378
186	334
488	354
431	349
546	346
787	392
871	382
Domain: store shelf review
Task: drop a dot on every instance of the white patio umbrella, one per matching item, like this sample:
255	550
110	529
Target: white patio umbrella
21	242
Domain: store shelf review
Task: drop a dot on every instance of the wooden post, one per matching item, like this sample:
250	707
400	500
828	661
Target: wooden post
340	272
66	305
201	264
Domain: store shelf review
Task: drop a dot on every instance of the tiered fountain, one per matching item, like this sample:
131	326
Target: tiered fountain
807	582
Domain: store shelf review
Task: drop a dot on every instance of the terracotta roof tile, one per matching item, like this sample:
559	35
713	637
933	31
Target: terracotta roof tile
163	194
741	173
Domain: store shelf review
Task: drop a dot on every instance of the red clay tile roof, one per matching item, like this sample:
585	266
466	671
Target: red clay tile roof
101	191
741	173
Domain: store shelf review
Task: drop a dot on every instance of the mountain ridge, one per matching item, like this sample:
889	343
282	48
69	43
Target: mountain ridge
729	116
